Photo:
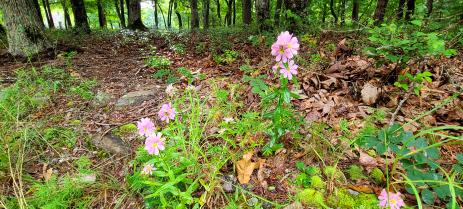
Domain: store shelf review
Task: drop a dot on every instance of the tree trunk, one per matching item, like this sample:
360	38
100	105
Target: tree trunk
400	9
206	4
194	14
355	10
67	18
134	10
24	30
410	9
179	17
263	13
162	14
39	13
156	20
228	17
276	17
333	12
380	10
429	4
343	12
101	14
46	7
324	12
169	13
234	12
118	12
218	12
121	4
246	9
80	16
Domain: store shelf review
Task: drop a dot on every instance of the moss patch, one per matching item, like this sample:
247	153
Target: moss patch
355	173
311	198
125	129
377	175
317	182
341	198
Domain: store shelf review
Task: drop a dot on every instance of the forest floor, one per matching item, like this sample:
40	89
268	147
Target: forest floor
336	86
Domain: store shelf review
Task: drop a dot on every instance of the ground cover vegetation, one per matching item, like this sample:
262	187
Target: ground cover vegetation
231	104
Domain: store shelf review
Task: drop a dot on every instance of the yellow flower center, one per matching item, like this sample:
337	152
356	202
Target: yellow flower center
393	201
282	51
155	144
290	46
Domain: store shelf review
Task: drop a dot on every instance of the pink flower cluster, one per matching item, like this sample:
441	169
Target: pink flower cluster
390	200
154	142
284	49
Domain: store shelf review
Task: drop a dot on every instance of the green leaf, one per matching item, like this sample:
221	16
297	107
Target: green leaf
427	196
416	22
459	158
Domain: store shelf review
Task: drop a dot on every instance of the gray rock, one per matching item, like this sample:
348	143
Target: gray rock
228	187
112	143
101	99
137	97
253	201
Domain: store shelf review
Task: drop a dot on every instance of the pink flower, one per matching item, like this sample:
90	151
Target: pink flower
285	47
145	127
289	70
154	143
390	199
166	112
148	169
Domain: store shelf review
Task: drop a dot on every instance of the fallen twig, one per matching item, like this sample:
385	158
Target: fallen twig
401	103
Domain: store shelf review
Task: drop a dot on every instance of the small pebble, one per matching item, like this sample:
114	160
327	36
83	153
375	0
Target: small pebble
253	201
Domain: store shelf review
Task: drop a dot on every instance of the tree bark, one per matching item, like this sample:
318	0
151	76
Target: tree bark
134	10
119	15
218	12
246	9
380	11
80	16
333	12
122	13
278	6
179	16
67	18
24	30
343	12
263	13
206	4
169	13
355	10
400	9
429	4
194	14
234	12
228	17
410	9
46	7
39	13
324	12
101	14
156	20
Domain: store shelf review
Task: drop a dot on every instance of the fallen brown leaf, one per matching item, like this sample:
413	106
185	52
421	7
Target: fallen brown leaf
245	167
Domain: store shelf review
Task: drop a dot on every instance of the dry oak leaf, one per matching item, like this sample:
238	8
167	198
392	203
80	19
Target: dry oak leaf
245	167
366	160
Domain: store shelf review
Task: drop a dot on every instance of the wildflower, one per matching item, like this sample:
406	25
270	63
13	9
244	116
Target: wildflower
390	199
285	47
154	143
228	120
148	169
166	112
171	90
145	127
289	70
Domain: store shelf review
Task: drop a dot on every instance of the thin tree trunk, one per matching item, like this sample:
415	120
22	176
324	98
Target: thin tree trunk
118	12
135	22
194	14
429	4
121	4
324	12
410	9
355	10
218	12
162	14
380	11
228	17
156	20
101	14
343	12
169	13
179	16
67	18
333	12
206	4
234	12
23	28
46	7
80	16
39	13
263	13
400	9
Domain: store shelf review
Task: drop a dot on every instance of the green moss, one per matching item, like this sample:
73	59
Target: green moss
377	175
311	198
125	129
341	198
317	182
356	173
332	172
